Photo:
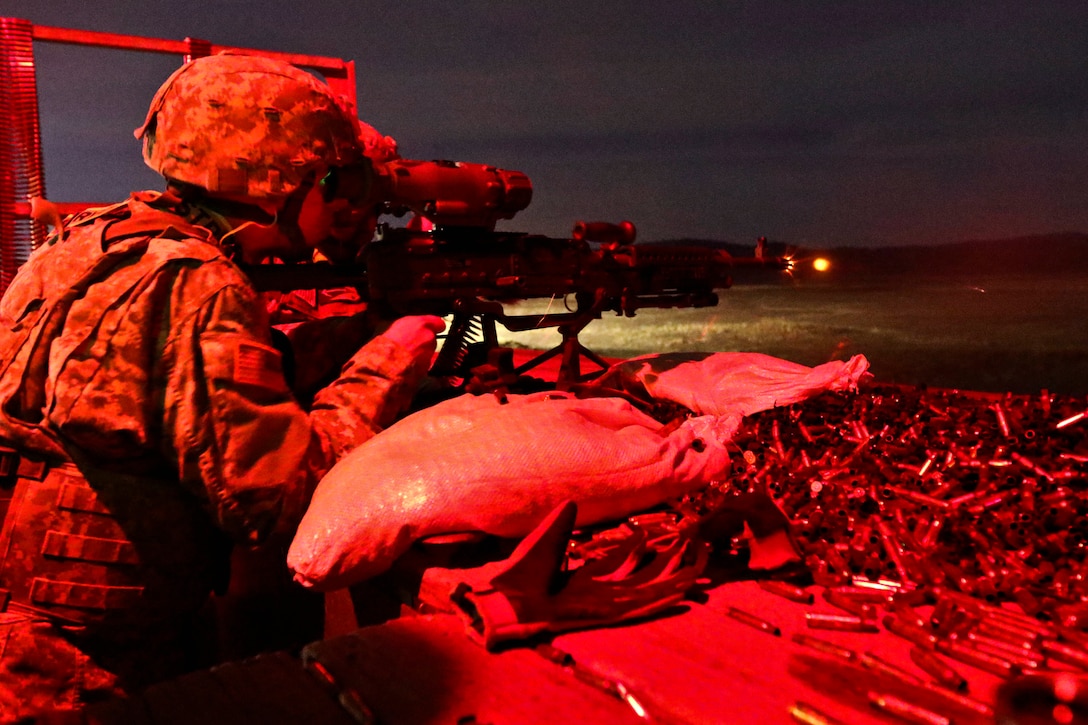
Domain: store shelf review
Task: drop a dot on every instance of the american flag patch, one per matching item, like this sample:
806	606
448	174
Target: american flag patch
258	365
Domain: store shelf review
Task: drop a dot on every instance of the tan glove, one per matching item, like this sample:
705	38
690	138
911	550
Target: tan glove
532	593
756	516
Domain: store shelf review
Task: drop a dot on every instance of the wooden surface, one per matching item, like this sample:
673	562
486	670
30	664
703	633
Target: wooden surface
693	664
698	664
425	670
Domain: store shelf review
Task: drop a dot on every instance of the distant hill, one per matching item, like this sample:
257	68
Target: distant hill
1063	253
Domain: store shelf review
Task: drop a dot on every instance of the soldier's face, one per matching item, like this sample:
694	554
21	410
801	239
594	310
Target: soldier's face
343	219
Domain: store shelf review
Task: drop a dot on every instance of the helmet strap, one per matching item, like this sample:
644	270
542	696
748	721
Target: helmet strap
228	245
225	213
194	203
235	210
292	208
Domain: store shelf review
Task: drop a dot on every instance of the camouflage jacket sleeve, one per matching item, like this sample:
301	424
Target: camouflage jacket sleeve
238	432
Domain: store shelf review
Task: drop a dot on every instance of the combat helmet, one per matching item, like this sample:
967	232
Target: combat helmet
246	125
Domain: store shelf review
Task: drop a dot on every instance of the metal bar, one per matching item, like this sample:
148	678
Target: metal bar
329	67
22	208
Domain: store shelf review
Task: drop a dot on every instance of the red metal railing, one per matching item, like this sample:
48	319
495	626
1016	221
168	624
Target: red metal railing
22	175
20	146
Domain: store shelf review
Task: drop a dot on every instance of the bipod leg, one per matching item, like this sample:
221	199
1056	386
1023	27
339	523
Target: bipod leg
570	367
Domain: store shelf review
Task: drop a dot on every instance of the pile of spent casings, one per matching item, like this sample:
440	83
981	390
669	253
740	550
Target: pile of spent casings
955	519
977	493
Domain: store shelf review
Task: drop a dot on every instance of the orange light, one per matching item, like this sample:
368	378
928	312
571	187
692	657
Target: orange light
821	264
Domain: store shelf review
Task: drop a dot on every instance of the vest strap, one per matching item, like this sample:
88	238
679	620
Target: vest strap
88	548
83	596
77	497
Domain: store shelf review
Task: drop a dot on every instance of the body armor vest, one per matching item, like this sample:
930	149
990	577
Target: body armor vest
63	554
83	545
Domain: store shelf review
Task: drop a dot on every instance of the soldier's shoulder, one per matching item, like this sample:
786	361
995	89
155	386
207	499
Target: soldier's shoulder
165	241
195	261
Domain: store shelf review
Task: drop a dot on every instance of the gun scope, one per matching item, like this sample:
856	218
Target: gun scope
454	193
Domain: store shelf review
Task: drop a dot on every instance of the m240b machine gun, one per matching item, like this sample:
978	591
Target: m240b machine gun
461	266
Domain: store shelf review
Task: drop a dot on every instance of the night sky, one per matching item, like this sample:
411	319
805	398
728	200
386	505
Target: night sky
816	123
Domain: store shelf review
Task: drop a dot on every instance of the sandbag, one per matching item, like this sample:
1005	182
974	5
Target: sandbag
729	383
479	464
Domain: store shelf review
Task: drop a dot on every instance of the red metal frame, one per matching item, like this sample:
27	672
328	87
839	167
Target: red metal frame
338	73
21	169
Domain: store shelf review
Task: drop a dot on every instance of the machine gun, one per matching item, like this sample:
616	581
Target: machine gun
461	266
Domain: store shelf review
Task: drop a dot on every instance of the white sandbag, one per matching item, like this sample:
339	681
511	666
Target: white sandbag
473	464
730	383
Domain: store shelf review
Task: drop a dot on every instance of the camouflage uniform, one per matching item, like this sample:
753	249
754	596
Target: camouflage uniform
145	423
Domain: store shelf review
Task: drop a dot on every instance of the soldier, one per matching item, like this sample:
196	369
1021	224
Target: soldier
145	421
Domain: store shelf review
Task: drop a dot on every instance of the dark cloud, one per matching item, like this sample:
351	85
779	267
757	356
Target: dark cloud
845	122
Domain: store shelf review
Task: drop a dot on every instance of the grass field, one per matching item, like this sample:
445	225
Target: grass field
1002	333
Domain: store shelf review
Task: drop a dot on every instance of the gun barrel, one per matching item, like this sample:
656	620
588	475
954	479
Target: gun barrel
771	263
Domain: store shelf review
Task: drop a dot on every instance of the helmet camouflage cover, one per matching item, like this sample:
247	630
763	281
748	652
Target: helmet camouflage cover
246	125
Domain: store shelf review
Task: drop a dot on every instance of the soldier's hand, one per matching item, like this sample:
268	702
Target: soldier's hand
417	334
